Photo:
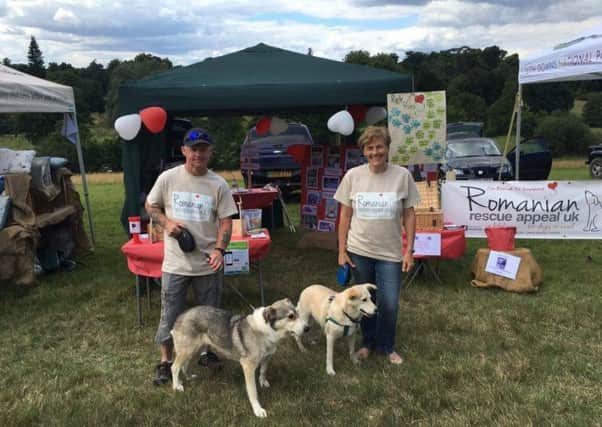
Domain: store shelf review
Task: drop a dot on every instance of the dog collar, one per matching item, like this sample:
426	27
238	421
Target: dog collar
345	327
330	300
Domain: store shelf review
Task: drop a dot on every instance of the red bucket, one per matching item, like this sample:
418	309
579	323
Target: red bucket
500	238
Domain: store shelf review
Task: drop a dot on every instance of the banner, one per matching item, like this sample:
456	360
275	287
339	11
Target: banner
417	126
538	209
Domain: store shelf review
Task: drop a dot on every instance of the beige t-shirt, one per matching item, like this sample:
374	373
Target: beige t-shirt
378	200
197	202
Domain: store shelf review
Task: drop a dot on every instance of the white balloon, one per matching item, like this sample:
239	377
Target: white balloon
128	126
375	115
341	122
278	126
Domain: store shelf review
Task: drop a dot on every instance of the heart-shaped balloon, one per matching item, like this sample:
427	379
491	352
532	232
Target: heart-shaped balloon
263	126
375	115
358	112
128	126
278	126
341	122
154	118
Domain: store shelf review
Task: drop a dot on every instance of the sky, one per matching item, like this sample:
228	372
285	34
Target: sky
188	31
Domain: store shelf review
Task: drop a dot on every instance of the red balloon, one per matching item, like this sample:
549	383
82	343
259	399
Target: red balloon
358	112
154	118
263	125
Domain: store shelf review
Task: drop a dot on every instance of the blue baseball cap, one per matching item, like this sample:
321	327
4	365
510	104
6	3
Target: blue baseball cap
196	136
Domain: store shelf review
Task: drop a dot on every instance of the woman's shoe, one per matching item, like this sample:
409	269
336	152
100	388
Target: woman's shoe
363	353
395	358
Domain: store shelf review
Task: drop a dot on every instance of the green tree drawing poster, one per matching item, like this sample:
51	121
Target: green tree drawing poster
417	126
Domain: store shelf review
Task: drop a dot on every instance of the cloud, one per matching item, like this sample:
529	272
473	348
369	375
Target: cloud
187	31
64	16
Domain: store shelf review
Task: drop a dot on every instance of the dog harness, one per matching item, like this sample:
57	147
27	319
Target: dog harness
345	327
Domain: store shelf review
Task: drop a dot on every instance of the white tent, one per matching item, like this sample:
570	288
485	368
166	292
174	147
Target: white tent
23	93
576	59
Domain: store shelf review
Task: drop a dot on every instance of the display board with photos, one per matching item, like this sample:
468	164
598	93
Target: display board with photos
321	176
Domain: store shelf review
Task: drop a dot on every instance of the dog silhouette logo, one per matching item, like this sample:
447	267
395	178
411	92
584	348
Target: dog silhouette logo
594	211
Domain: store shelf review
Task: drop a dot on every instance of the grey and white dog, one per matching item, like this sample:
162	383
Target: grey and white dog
250	340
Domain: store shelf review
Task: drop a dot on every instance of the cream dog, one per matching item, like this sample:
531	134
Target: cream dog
338	314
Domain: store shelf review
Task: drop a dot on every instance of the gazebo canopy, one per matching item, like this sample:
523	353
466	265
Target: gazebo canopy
577	59
23	93
261	79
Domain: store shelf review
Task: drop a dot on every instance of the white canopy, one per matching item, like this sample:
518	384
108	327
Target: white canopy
577	59
23	93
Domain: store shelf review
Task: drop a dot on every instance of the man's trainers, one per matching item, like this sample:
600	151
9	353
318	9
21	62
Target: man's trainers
162	373
210	360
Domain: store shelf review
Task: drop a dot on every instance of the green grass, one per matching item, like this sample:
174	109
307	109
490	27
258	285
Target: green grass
15	142
73	354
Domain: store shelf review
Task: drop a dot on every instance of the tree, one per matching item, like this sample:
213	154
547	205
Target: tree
566	133
592	110
143	65
548	97
500	113
35	60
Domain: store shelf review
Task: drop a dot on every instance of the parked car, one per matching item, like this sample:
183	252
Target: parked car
268	159
480	158
594	160
461	130
535	159
476	158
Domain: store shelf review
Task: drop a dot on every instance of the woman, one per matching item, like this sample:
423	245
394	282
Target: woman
376	199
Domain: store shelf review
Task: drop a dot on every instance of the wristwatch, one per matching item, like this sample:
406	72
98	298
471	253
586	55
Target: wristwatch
221	251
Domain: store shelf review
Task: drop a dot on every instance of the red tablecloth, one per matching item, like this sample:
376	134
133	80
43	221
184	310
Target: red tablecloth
145	258
255	198
453	243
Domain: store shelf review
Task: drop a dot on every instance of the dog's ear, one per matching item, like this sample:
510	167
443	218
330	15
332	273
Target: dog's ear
354	293
269	314
370	286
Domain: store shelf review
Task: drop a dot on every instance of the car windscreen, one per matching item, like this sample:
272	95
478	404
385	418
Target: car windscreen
472	148
279	139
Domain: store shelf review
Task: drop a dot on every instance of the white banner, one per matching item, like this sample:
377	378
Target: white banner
538	209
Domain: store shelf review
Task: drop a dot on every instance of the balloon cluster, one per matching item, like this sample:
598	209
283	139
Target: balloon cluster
128	126
344	121
274	125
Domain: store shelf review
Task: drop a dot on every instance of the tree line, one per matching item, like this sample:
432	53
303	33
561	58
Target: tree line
480	83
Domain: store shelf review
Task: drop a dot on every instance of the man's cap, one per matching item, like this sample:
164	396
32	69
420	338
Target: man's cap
197	136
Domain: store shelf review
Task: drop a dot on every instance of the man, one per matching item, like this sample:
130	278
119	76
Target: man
190	197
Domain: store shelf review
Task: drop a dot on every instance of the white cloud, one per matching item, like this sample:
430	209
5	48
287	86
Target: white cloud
65	16
187	31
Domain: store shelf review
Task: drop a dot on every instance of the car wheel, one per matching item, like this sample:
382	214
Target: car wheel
595	168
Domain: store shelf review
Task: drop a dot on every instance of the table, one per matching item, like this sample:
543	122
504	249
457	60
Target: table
453	246
145	259
528	277
255	198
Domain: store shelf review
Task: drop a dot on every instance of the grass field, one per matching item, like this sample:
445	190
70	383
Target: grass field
73	354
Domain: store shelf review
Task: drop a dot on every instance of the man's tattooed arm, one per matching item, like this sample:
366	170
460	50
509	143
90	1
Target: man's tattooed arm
224	233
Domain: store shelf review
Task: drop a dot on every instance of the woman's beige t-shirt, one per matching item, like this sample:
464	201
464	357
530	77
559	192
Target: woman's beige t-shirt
377	200
197	202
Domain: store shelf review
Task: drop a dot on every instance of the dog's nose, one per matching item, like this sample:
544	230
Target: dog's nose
306	329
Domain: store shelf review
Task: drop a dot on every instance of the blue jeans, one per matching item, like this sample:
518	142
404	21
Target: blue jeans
379	330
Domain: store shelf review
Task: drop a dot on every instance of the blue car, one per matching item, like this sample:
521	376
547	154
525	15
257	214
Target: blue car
266	157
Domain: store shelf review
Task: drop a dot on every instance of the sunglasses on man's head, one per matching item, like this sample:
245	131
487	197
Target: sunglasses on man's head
198	136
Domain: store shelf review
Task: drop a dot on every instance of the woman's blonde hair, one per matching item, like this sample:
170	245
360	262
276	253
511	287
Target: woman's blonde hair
373	132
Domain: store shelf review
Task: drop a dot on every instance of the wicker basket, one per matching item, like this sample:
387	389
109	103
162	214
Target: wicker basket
428	212
429	220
